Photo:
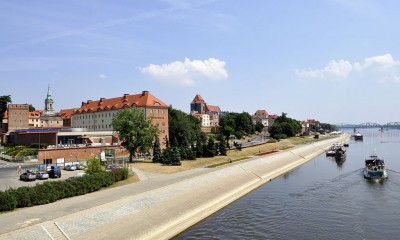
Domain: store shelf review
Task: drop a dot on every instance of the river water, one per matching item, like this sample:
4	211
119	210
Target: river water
322	199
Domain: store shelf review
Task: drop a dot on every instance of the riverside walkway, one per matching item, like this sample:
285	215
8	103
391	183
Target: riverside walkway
158	207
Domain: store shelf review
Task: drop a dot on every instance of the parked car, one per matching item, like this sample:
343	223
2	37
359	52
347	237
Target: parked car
55	172
42	175
79	166
27	176
70	167
112	167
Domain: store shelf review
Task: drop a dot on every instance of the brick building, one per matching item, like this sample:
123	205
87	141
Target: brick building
98	115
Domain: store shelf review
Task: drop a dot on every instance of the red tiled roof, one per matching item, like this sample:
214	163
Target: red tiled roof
35	114
261	112
145	99
213	108
66	113
198	98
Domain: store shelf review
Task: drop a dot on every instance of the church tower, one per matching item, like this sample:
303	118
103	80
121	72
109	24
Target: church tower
48	104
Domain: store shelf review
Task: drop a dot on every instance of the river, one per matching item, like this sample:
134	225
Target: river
322	199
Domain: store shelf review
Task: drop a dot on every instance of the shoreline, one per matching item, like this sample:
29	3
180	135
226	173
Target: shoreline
163	207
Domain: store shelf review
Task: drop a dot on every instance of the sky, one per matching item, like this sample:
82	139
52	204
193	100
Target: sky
336	61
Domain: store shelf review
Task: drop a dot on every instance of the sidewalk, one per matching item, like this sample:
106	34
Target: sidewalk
157	207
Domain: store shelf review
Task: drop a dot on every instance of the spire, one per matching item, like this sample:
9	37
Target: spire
48	103
48	92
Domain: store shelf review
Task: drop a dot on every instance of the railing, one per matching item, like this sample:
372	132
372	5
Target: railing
33	158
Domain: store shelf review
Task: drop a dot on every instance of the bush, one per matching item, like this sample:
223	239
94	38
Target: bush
23	196
41	145
27	152
52	191
8	201
120	174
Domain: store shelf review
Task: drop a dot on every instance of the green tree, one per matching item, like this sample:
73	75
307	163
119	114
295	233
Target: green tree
175	156
135	131
211	149
259	127
284	127
93	166
4	100
183	127
31	108
221	145
157	151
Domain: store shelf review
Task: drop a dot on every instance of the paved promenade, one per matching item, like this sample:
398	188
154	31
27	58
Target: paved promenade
158	207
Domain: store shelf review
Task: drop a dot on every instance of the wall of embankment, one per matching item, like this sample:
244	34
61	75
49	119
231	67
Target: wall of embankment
163	212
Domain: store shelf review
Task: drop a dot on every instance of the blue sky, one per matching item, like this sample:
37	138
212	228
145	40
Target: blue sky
337	61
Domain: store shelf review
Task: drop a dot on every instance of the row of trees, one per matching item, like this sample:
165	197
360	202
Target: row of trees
284	127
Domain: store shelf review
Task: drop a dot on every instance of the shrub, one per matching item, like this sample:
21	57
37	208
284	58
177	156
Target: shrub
23	196
8	201
27	152
93	166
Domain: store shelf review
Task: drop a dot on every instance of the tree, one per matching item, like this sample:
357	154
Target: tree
284	127
4	100
135	131
93	166
221	145
211	149
183	127
31	108
156	151
259	127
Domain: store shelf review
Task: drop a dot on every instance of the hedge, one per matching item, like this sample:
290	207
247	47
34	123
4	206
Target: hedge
52	191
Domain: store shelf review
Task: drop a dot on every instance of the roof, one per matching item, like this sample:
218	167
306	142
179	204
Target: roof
197	98
145	99
261	112
212	108
66	113
35	114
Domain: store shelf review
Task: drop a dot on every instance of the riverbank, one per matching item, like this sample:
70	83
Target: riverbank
158	208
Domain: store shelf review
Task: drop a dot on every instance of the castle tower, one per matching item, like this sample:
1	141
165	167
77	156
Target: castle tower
48	104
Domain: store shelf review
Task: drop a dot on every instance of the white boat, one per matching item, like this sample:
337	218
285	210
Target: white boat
358	136
375	168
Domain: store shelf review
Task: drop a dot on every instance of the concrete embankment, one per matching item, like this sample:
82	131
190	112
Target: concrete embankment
164	211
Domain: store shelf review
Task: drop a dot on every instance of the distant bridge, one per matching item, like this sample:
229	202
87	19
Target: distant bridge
369	125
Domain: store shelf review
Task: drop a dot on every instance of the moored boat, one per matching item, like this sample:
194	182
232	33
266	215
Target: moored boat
358	136
375	168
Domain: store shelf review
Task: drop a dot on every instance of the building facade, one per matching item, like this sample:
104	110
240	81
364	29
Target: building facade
98	115
209	115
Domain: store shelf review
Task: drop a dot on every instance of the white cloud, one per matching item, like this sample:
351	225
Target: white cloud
188	72
102	76
384	68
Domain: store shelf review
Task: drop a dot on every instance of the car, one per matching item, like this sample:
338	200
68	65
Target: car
54	172
27	176
112	167
79	166
70	167
42	175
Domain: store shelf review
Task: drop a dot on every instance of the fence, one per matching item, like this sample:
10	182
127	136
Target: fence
19	159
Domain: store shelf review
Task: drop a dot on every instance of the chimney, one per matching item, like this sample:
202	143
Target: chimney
83	104
88	101
145	93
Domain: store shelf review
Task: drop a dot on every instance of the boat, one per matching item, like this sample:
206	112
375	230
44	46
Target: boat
336	150
331	151
375	168
340	152
358	136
